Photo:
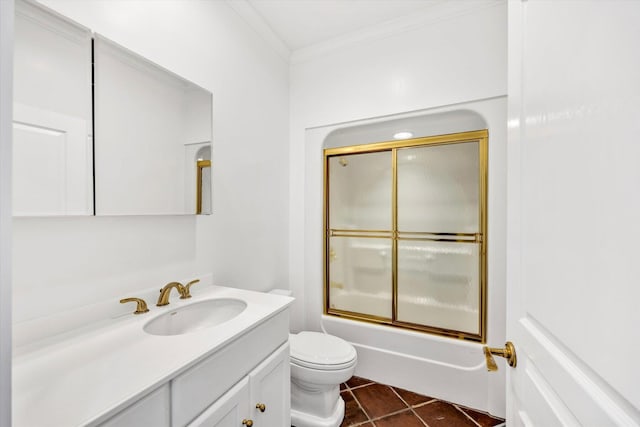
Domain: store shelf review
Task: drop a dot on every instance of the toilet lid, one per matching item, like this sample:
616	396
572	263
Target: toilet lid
322	350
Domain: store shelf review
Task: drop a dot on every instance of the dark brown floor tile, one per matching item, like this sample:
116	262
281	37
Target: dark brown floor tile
412	398
352	412
378	400
444	414
403	419
485	420
357	381
343	386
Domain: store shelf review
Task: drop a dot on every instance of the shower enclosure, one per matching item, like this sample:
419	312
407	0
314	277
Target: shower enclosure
405	233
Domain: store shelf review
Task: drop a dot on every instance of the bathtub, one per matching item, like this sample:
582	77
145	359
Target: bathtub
441	367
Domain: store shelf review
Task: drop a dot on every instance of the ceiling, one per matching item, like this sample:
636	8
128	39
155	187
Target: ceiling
303	23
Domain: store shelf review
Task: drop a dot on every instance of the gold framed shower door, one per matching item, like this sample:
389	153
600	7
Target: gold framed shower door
395	235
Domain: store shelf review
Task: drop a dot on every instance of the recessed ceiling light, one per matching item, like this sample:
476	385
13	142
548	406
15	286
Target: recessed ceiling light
402	135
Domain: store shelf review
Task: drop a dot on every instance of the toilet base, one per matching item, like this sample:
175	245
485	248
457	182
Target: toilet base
302	419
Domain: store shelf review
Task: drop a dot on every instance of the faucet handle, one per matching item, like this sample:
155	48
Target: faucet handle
187	289
141	304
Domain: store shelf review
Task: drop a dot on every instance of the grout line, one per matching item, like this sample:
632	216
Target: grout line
360	406
419	405
415	414
418	417
400	397
466	415
409	407
361	385
390	414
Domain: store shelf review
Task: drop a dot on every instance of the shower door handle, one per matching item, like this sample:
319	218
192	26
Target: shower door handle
508	352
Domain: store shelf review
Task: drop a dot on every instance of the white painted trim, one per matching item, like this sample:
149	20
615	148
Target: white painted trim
6	130
105	46
260	26
443	11
53	21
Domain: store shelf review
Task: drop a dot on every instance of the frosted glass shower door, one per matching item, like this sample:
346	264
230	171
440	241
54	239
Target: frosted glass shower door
405	227
360	246
439	234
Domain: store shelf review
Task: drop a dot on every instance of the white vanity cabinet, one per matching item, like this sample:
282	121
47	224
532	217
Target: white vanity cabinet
261	357
226	387
125	377
151	410
262	397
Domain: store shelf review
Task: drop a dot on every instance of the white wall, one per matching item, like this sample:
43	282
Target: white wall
63	263
453	57
6	91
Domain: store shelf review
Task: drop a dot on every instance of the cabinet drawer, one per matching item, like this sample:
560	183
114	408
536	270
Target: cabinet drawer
193	391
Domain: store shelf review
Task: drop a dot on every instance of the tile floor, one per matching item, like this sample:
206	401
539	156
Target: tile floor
369	404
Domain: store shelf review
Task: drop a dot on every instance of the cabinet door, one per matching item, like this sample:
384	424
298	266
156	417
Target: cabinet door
228	411
270	386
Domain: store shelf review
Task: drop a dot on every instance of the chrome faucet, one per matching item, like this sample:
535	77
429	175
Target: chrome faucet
163	299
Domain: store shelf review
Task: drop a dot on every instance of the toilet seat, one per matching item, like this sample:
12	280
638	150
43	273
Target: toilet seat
316	350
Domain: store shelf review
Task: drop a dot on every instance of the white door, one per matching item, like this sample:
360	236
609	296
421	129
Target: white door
573	262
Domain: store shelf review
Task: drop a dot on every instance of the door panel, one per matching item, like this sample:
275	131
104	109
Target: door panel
572	213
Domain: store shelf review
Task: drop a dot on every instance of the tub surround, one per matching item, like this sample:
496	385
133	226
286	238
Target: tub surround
423	363
84	377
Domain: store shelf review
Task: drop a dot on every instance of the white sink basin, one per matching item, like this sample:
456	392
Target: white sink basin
196	316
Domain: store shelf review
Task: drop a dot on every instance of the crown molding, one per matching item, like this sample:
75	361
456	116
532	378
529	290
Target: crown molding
438	12
260	26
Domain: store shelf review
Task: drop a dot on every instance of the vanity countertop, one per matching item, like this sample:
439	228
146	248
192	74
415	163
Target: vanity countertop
84	378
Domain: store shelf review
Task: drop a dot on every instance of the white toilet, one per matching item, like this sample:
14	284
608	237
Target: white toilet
319	363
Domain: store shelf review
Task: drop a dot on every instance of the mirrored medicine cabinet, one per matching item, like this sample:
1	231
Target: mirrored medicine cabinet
99	129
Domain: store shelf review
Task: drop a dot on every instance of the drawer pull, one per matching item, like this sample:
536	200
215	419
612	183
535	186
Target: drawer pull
247	423
261	407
